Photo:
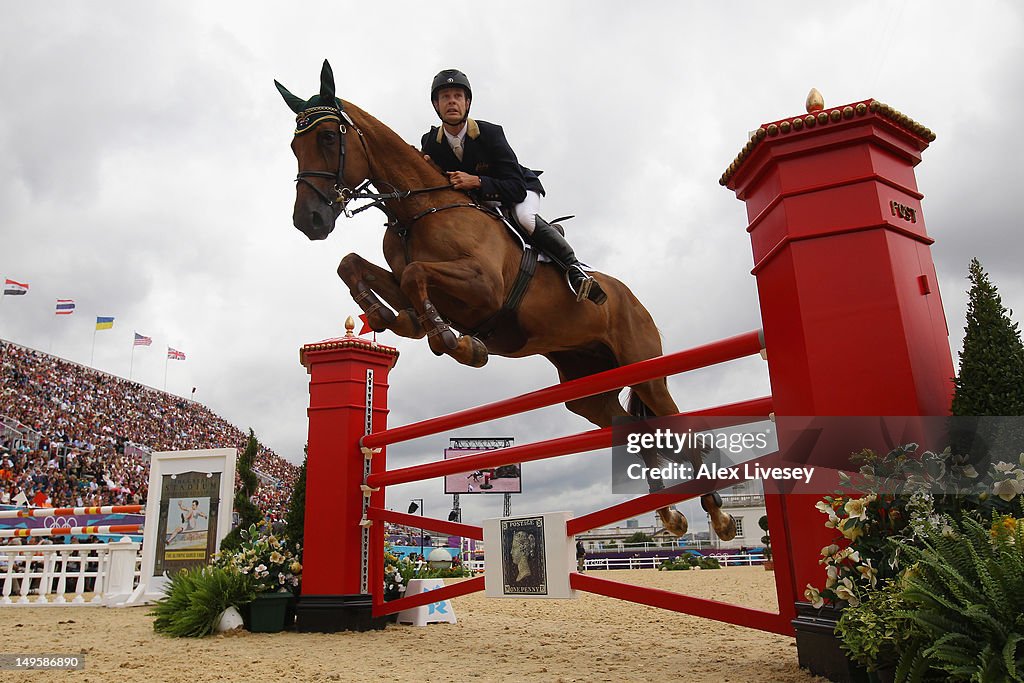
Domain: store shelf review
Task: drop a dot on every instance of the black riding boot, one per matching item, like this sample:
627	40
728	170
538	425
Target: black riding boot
546	238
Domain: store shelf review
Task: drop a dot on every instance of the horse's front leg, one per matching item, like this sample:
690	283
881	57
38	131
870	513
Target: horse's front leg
365	281
464	281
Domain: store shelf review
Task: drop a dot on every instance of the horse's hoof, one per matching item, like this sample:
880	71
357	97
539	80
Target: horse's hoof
478	353
673	521
715	498
728	531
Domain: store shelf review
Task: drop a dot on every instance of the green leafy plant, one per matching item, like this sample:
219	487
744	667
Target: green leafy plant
195	598
686	562
271	563
966	592
875	631
399	570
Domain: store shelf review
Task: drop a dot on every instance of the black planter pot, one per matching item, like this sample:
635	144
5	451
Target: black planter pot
817	645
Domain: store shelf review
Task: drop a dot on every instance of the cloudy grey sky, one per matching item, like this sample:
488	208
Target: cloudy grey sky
145	172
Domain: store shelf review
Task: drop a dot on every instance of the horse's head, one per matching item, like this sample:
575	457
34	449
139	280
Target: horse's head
330	164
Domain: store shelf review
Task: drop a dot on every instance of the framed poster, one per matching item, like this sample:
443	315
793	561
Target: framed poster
528	557
188	513
186	535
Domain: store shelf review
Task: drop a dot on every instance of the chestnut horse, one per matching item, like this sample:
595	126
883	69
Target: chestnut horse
452	265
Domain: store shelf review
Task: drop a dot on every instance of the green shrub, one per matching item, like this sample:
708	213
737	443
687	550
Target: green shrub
196	597
876	630
295	518
248	512
966	592
686	562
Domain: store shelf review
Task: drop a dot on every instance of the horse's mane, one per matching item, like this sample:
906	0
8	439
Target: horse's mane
378	131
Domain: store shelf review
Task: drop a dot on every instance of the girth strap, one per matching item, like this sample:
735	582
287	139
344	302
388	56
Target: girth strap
527	267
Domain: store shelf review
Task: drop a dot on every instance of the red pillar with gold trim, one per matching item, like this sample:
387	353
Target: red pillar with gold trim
347	398
853	322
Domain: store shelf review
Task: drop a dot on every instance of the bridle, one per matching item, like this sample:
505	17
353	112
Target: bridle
307	120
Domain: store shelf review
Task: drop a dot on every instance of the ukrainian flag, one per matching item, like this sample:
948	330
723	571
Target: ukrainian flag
104	323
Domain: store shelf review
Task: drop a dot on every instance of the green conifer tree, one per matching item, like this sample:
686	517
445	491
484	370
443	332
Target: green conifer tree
295	518
248	512
991	379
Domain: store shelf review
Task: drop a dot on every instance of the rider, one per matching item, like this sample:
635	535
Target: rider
477	158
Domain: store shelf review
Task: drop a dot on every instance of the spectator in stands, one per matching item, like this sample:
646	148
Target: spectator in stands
84	422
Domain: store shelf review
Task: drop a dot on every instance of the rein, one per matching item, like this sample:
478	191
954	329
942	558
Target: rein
306	121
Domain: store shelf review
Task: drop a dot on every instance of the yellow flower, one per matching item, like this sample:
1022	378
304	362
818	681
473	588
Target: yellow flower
851	529
296	568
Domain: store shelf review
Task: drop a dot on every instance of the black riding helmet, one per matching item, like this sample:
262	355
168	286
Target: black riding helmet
450	78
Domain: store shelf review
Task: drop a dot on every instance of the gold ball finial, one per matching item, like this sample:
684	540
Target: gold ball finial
350	326
815	102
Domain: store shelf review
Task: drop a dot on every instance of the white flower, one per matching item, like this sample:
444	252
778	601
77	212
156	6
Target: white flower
824	507
1003	467
844	591
829	550
814	596
858	508
1008	489
868	573
261	567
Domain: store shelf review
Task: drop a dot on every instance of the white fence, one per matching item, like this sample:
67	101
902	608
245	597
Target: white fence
596	563
83	574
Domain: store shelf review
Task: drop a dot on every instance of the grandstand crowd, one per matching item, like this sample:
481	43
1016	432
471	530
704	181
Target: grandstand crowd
74	436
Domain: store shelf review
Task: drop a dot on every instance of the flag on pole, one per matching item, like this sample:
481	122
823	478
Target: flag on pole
104	323
12	288
142	341
174	354
65	307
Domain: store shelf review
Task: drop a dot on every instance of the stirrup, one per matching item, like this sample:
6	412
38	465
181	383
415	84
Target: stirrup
588	281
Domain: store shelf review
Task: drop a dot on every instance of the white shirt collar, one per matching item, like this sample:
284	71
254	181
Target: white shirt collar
461	135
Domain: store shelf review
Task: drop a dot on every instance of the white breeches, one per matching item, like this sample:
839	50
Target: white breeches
526	211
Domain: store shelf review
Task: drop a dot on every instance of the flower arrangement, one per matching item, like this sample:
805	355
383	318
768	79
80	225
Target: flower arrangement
399	570
394	581
891	502
905	516
266	559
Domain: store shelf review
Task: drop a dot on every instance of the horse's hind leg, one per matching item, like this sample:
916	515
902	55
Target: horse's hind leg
365	280
652	399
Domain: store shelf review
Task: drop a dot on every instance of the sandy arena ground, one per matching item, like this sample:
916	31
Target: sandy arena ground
592	638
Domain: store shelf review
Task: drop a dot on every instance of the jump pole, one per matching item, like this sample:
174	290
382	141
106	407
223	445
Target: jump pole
59	512
105	530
